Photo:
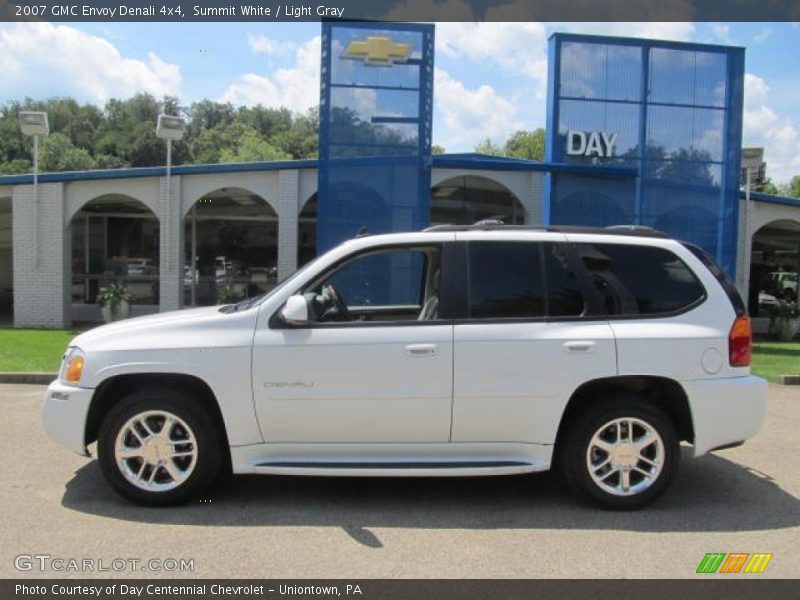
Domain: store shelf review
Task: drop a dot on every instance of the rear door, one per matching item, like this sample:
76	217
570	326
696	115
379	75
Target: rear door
523	346
659	310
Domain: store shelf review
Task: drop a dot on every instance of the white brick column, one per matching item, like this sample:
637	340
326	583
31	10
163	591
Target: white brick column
41	283
288	200
170	246
535	199
743	248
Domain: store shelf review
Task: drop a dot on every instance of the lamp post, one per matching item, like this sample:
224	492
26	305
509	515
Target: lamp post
34	123
169	128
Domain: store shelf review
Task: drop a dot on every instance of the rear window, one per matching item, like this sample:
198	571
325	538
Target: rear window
639	280
721	276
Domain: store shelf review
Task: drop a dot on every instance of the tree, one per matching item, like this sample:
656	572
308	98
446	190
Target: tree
522	144
57	153
436	149
15	167
487	146
301	140
794	187
252	147
768	187
122	134
526	144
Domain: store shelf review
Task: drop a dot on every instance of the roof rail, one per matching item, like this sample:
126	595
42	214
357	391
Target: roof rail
495	224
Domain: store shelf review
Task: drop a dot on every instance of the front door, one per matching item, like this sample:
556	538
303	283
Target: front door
373	366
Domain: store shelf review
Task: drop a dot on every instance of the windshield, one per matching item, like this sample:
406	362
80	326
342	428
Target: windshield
255	300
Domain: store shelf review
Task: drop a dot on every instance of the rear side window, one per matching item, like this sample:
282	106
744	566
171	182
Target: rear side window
721	276
505	280
639	280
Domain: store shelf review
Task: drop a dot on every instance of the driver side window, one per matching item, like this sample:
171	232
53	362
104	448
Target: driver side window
398	284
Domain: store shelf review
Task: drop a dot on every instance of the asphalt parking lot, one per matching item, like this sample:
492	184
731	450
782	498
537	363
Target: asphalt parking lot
741	500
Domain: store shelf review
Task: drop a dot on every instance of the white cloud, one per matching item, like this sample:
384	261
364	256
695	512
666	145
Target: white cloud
764	127
469	116
762	35
520	48
76	63
261	44
722	33
296	87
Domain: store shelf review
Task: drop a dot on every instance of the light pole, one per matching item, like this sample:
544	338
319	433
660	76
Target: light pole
169	128
34	123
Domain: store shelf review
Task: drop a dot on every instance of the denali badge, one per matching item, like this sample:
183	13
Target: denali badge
288	384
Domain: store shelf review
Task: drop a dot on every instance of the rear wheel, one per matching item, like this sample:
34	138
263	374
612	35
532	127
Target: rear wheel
159	447
621	454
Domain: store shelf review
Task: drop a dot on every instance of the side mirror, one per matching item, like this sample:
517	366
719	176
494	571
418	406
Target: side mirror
295	311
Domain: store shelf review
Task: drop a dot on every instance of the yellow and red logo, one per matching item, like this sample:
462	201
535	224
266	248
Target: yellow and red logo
734	562
378	51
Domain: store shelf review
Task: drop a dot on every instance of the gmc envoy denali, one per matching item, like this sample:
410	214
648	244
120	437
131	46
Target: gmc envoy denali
456	351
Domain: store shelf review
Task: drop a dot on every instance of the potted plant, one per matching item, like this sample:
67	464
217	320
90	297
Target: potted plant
785	319
227	295
114	301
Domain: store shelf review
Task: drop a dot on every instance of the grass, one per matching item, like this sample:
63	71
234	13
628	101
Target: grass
38	350
773	359
33	350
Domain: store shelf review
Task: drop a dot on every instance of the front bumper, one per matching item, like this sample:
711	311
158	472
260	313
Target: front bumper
726	411
64	415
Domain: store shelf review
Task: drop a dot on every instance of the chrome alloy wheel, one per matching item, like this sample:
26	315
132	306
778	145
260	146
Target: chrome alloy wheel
156	451
625	456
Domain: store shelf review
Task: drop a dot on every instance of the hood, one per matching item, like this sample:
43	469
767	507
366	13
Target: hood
115	334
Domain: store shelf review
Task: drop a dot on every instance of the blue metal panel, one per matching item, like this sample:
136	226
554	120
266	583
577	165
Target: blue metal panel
375	134
551	132
676	110
600	71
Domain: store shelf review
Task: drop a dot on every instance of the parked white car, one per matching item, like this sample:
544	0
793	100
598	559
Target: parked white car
784	284
456	351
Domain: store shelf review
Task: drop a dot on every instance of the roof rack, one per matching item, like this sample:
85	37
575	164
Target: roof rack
494	225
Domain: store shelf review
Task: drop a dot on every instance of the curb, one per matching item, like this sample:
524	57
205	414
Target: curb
790	379
29	378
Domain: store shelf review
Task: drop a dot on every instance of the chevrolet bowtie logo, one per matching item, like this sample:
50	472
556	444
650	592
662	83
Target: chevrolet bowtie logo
378	50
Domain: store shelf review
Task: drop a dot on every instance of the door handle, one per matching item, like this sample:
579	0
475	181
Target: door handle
419	350
579	346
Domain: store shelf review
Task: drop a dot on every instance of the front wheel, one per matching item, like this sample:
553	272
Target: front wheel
159	447
620	454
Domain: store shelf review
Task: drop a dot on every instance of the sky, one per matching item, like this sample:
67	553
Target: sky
490	78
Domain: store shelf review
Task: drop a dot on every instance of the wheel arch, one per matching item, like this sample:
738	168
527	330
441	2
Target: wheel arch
667	394
112	390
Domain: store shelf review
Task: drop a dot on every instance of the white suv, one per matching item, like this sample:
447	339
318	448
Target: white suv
456	351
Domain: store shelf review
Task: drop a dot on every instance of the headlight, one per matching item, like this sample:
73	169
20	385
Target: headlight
72	365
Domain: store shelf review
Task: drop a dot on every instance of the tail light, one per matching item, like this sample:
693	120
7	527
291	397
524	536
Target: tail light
740	342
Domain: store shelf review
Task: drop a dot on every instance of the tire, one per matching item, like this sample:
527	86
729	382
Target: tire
152	467
587	436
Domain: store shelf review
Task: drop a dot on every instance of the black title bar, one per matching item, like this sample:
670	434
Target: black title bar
713	587
401	10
